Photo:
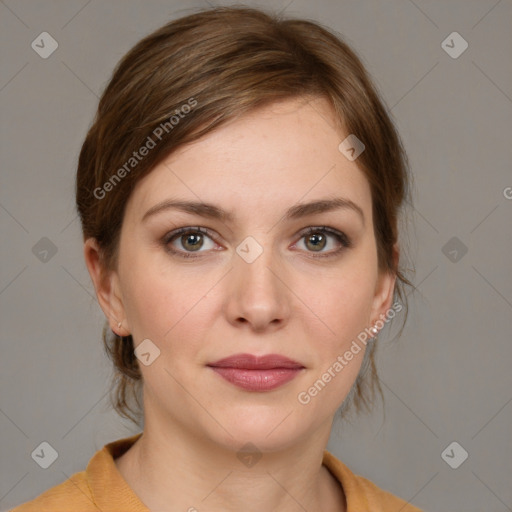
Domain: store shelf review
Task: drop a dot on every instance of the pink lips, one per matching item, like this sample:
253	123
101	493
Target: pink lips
255	373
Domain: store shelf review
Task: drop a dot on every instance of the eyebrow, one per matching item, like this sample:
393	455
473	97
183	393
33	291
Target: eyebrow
295	212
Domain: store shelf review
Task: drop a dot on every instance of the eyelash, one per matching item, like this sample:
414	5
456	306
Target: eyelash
345	242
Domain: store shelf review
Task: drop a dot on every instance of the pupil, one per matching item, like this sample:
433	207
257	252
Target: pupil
317	241
193	240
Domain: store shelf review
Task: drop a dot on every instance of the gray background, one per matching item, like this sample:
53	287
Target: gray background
448	377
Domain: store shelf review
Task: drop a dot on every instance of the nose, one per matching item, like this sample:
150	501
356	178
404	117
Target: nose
257	296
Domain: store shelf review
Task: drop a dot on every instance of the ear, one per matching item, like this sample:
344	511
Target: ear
384	290
106	284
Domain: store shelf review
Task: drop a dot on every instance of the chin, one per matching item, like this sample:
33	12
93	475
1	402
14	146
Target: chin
269	428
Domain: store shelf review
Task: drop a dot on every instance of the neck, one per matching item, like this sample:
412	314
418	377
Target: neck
173	466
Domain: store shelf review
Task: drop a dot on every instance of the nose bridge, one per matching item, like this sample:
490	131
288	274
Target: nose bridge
254	264
257	294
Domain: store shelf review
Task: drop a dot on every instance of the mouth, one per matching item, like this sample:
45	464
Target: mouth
257	373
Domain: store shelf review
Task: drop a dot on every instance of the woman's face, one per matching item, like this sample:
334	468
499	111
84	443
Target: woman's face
251	282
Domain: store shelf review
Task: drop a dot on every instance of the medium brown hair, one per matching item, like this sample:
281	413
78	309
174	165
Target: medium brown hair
226	62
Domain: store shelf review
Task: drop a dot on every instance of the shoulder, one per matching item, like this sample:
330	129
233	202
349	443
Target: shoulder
380	500
361	493
72	494
99	487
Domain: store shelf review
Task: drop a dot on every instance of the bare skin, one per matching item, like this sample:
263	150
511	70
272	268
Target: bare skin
303	297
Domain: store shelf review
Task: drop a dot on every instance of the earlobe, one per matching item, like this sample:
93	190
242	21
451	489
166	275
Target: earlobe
106	286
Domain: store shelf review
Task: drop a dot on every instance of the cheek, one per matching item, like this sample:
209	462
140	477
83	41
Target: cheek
342	312
341	301
159	303
166	303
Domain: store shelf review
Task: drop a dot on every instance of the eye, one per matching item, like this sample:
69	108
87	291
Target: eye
188	240
316	239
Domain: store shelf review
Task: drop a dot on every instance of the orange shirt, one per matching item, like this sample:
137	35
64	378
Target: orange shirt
102	488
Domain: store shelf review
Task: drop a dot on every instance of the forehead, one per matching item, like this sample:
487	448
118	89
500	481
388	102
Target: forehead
278	155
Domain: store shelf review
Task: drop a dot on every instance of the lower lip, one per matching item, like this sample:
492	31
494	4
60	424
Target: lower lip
257	380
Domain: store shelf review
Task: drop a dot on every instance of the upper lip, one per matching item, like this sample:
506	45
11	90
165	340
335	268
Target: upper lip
252	362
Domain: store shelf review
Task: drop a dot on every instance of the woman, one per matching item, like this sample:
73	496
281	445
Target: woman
239	193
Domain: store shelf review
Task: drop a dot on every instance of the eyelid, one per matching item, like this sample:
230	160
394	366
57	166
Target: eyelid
340	236
168	238
186	229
